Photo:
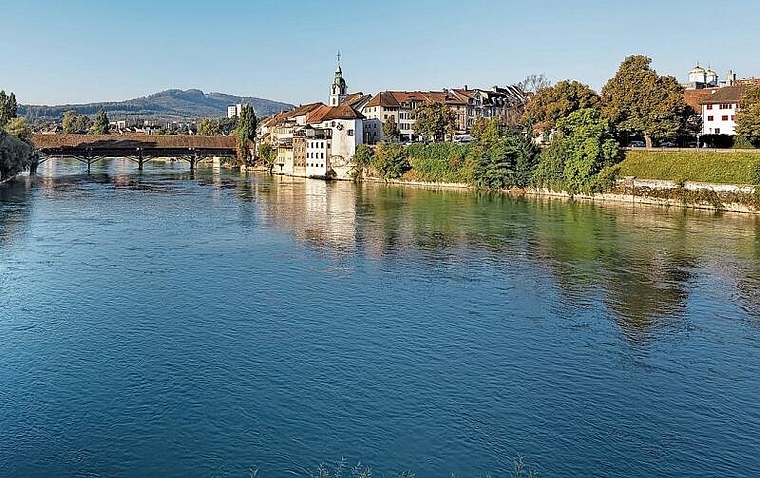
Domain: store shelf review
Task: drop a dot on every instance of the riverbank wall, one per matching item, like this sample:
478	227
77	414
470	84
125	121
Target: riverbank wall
655	192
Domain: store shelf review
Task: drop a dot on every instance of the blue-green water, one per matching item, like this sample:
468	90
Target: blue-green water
165	324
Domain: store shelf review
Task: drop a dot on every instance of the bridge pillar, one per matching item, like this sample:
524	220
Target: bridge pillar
140	159
193	161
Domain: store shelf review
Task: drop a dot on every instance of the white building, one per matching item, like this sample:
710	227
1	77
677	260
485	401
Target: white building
719	109
342	128
233	111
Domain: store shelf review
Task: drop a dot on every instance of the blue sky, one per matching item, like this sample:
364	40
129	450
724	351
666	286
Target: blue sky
81	51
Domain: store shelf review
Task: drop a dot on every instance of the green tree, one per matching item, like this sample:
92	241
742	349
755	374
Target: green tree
390	129
208	127
19	128
580	156
101	125
267	156
227	125
503	158
748	116
550	104
434	120
479	127
15	155
74	123
638	100
8	108
390	160
363	158
245	133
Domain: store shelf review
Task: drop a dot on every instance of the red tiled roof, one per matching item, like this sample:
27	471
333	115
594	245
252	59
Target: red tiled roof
326	113
727	94
694	98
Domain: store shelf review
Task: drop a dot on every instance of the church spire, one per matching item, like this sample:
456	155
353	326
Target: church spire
338	90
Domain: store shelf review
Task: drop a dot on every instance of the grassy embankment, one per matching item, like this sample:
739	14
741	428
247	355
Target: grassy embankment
724	167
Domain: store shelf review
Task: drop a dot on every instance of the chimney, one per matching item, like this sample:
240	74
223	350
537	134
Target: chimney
465	88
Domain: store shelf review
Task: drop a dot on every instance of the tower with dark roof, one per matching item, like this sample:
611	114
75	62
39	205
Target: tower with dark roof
339	89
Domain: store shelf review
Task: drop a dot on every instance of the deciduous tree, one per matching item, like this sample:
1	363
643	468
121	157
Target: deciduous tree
390	129
208	127
74	123
434	120
550	104
638	100
390	160
363	158
267	155
583	146
19	128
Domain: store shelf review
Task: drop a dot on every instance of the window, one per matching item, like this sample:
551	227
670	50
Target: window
710	118
733	118
717	130
724	118
709	107
350	132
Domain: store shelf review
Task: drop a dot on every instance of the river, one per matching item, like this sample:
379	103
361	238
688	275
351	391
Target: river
174	324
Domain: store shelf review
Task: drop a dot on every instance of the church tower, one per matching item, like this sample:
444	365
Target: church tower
338	90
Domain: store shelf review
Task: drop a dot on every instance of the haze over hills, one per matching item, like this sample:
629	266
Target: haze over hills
166	105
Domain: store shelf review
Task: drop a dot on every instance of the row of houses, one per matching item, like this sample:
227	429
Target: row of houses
319	140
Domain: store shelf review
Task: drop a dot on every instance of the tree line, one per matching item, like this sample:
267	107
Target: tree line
16	152
584	129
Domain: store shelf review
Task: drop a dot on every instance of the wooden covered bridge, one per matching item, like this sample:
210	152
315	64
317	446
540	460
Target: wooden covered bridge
138	148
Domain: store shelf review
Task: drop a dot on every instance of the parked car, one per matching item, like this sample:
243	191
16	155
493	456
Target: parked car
692	144
636	144
667	144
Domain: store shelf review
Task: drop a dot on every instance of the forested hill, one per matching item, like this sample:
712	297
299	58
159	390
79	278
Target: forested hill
166	105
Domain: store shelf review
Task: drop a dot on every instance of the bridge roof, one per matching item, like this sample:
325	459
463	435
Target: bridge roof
110	142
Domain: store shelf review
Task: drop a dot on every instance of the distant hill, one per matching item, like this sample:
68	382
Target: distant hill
166	105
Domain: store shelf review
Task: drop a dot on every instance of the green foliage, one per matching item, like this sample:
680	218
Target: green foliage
390	129
726	167
748	116
439	163
478	128
581	149
15	155
267	155
363	158
209	127
227	125
550	104
19	128
637	100
390	160
741	142
101	124
756	173
74	123
502	158
245	132
434	120
8	108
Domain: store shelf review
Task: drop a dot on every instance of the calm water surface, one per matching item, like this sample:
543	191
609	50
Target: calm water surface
169	324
